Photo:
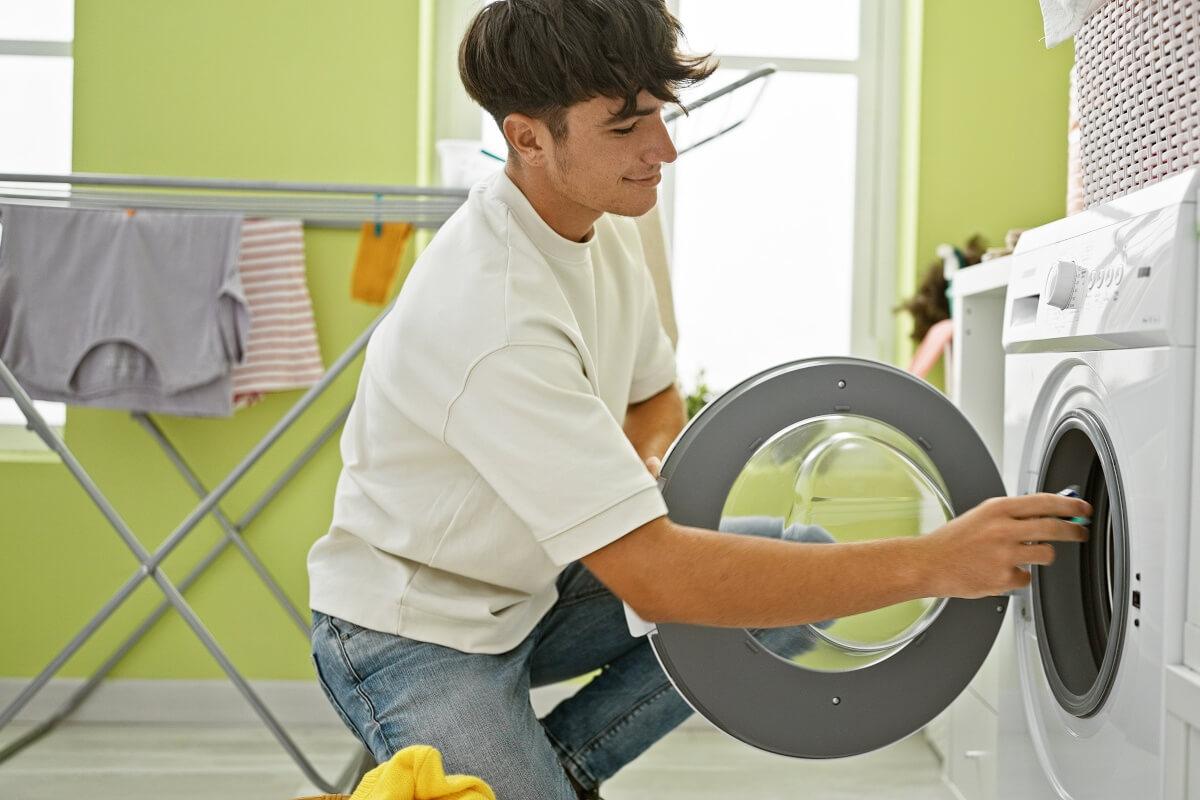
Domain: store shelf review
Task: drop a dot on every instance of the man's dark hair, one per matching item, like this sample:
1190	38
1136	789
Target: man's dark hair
537	57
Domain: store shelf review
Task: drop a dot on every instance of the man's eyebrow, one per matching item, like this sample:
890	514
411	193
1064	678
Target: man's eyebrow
637	112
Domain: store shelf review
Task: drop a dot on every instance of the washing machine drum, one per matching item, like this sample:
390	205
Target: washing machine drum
829	450
1079	602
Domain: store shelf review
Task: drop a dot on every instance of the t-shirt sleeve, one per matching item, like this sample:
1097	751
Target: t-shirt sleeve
654	369
530	423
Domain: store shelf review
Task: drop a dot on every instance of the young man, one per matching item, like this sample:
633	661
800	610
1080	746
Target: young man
498	499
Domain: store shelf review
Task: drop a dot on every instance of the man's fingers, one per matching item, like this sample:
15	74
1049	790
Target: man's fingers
1020	578
1043	504
1040	554
1049	530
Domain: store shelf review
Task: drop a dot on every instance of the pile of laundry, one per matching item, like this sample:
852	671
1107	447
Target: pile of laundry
415	773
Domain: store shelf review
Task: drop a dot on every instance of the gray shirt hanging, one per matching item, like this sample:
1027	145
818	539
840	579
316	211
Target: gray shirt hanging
139	311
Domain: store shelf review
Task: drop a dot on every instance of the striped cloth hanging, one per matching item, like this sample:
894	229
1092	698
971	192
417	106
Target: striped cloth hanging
282	352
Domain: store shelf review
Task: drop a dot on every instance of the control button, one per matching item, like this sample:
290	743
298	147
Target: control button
1120	276
1108	276
1060	284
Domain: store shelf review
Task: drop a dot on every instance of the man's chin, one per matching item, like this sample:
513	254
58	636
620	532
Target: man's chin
634	206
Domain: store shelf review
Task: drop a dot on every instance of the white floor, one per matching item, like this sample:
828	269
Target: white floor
165	762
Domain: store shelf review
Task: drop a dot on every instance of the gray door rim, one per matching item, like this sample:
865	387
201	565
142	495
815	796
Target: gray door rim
742	687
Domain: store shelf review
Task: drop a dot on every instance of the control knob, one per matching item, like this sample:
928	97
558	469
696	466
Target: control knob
1060	284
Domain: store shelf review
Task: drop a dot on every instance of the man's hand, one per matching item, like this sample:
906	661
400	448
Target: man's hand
981	552
654	464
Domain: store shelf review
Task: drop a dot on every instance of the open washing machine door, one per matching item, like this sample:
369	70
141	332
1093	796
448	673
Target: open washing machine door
857	450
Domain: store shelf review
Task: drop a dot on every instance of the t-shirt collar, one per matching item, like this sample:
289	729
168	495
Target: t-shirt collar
543	236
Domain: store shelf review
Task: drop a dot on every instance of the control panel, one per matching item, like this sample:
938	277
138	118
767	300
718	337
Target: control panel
1070	285
1127	282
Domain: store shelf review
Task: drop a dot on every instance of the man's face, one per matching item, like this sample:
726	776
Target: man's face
609	164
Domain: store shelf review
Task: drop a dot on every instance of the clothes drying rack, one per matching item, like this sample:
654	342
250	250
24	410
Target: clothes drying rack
323	205
757	75
317	205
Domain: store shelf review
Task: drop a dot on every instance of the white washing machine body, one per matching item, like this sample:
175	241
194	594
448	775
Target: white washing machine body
1100	331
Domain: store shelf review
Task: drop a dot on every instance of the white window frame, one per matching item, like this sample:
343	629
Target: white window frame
877	158
17	441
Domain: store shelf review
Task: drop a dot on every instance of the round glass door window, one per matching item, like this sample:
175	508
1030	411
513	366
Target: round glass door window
841	478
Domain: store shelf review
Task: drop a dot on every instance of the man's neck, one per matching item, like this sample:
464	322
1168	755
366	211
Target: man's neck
567	218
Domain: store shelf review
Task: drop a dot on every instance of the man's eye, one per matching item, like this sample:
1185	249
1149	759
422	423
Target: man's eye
624	131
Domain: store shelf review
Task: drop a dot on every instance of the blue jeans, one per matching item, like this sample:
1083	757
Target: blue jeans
392	691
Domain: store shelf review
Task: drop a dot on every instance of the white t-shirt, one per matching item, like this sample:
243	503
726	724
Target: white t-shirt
484	451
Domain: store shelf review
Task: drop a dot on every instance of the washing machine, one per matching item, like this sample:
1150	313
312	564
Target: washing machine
1099	335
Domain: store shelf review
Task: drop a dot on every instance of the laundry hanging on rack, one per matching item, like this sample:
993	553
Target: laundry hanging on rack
282	352
380	246
141	311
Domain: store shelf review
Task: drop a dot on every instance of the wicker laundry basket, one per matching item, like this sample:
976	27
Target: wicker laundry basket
1138	84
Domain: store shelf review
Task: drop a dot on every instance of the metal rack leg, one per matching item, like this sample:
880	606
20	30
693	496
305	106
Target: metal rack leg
232	532
198	513
154	573
150	563
81	694
363	763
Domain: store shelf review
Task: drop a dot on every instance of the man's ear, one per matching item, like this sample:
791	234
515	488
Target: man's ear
526	136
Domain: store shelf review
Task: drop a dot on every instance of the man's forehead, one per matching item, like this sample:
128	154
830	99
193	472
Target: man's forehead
606	110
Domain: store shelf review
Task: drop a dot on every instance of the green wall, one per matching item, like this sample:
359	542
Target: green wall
984	129
273	90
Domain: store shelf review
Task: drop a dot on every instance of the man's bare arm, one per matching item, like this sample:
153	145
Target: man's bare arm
653	424
673	573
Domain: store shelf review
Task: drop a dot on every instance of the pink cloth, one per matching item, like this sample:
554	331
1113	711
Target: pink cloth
282	352
929	351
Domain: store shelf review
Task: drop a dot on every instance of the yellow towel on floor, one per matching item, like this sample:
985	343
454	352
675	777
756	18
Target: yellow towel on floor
378	259
415	773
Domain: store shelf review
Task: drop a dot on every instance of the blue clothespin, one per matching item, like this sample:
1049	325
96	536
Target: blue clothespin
378	222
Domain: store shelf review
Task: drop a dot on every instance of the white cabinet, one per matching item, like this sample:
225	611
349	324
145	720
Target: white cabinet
966	736
977	373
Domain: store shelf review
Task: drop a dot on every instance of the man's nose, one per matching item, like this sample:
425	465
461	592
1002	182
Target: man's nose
663	149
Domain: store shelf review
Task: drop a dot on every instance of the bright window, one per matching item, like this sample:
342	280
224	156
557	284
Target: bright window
773	28
37	20
774	225
764	231
35	93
